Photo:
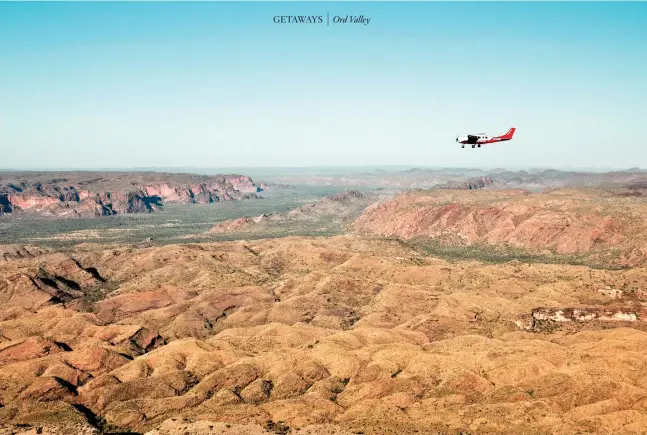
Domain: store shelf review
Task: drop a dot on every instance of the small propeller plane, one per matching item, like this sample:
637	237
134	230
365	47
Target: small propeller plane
482	138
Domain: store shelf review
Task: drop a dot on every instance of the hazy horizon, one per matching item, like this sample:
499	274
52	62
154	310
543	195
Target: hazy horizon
92	85
197	169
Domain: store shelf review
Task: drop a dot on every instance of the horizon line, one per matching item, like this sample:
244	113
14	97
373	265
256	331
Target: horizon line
184	168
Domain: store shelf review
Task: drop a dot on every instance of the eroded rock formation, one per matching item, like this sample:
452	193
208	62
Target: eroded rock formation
89	195
316	336
561	222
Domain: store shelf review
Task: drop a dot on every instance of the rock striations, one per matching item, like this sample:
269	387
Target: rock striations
317	336
573	222
103	194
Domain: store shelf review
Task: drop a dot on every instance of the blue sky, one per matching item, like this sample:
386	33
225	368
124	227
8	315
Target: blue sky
95	85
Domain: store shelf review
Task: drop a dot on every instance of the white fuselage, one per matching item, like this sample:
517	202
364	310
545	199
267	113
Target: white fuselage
481	139
476	140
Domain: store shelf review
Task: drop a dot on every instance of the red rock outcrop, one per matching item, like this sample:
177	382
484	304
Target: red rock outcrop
113	194
20	252
562	221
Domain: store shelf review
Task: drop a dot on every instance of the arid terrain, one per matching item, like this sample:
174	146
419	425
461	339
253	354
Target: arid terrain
470	308
606	227
331	214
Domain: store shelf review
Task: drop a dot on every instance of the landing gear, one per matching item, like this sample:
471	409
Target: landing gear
473	146
462	146
479	145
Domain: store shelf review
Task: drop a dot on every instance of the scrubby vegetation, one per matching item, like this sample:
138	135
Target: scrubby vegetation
503	254
170	225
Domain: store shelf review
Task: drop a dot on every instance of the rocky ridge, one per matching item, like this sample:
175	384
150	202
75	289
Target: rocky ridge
317	335
102	194
426	178
333	211
607	227
473	183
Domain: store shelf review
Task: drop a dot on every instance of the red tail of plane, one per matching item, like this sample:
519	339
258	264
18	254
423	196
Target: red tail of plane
509	134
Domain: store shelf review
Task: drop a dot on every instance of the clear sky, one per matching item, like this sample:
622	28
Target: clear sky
95	85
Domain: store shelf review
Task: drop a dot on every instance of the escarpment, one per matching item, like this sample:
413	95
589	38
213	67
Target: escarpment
104	194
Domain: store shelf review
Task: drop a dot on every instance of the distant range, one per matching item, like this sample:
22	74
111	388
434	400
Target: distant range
76	193
95	194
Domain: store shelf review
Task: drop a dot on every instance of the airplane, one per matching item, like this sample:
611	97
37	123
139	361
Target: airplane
482	138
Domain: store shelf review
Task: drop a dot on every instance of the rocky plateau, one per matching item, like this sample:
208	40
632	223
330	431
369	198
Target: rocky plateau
88	194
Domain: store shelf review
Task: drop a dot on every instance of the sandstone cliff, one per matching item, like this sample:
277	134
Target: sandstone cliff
102	194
